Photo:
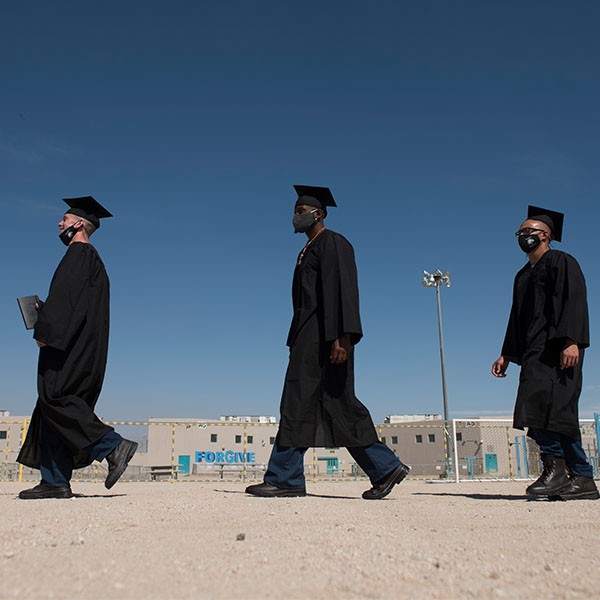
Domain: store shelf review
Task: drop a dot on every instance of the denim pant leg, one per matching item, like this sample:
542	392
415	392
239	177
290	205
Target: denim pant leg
575	457
562	446
56	461
376	460
548	441
104	446
286	467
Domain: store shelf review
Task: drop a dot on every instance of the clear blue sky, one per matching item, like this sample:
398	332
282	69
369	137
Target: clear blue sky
434	123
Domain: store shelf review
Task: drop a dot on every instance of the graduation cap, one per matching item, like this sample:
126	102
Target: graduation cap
310	195
553	219
88	208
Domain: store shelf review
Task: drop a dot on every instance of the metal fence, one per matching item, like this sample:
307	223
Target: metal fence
189	450
492	449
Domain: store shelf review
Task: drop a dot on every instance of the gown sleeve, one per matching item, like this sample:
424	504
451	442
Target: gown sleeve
339	282
569	302
65	309
512	347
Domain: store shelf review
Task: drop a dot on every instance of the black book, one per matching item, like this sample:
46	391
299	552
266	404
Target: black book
28	310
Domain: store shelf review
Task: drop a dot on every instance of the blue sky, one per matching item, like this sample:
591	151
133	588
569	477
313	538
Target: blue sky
434	123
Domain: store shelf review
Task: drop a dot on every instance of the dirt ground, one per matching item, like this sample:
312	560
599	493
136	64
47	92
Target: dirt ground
194	540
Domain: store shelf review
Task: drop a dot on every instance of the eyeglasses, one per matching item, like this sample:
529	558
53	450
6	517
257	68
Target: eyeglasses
528	231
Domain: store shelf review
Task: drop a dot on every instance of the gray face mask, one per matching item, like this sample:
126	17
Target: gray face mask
303	222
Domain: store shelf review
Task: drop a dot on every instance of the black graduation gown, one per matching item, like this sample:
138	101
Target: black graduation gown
318	406
73	322
549	305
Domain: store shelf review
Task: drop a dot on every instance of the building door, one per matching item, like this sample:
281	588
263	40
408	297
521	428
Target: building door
491	463
184	464
471	466
333	464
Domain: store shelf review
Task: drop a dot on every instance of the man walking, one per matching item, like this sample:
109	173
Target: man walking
72	334
318	406
547	333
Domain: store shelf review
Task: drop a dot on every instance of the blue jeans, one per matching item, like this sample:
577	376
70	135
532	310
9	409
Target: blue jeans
562	446
56	461
286	465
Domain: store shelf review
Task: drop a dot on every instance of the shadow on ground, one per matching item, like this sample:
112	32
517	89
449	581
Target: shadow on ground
99	495
243	493
482	496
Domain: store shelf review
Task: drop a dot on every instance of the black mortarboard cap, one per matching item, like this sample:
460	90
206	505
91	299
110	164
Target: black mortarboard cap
319	197
553	219
88	208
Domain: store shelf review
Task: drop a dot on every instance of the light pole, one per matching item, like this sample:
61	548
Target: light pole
437	279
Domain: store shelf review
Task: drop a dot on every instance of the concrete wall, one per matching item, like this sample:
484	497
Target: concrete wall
214	448
220	445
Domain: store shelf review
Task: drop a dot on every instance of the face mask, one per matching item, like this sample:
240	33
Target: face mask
529	243
303	222
67	235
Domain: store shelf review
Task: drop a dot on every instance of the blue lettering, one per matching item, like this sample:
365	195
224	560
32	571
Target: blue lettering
225	457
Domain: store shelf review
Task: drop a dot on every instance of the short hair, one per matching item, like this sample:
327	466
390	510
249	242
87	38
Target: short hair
88	227
548	229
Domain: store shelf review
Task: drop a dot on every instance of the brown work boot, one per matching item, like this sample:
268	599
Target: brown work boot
580	488
554	478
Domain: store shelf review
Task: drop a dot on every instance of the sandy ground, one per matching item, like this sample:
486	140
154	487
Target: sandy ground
183	540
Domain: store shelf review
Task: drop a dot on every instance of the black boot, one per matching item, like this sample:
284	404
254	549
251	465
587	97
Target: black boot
43	490
580	488
118	460
266	490
553	479
384	486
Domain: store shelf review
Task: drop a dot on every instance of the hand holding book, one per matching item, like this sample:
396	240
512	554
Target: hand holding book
29	310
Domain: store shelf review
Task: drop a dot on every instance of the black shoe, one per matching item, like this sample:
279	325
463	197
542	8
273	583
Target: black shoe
118	460
266	490
554	478
43	490
580	488
383	487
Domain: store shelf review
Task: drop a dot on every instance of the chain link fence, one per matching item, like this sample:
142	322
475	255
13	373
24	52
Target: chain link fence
492	449
189	450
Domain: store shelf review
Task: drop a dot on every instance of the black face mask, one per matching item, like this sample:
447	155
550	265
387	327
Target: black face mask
529	243
67	235
303	222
